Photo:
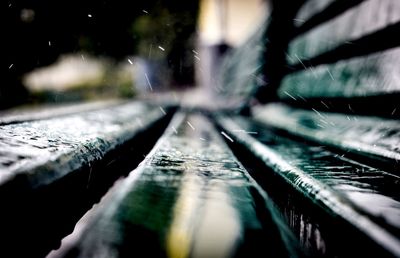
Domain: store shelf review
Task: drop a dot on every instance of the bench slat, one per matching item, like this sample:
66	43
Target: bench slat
358	77
189	196
46	150
368	17
316	12
53	170
374	138
25	114
310	9
361	195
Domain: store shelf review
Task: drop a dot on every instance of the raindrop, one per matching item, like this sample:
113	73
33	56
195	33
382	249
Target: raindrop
287	93
226	136
299	20
318	113
163	111
148	81
191	126
330	74
323	103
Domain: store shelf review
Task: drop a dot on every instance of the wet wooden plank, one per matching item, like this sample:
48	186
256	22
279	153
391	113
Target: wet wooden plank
367	17
309	9
365	197
190	197
369	75
314	13
45	150
31	113
52	170
374	138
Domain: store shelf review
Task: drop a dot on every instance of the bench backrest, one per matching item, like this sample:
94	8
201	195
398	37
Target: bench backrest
330	55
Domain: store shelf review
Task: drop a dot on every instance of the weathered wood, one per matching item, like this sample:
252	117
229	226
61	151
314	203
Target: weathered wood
46	150
316	12
362	196
190	196
367	17
25	114
374	138
362	76
310	9
53	170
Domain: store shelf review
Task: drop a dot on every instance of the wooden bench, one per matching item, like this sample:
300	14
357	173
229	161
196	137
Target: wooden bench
53	169
328	70
312	172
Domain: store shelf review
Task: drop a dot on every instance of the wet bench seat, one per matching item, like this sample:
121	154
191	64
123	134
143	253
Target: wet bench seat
354	208
54	164
189	197
313	174
234	186
327	135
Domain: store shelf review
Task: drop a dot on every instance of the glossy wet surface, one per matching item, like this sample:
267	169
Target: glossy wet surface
190	197
365	135
53	170
343	186
64	143
373	190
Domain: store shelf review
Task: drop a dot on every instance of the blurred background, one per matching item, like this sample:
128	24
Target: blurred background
68	51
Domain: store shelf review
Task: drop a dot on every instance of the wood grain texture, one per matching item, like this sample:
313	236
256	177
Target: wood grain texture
365	18
361	76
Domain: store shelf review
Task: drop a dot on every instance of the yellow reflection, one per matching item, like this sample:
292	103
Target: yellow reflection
179	237
205	223
219	229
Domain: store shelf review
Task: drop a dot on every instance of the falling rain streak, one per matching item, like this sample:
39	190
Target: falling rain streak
290	95
244	131
148	81
163	111
191	126
226	136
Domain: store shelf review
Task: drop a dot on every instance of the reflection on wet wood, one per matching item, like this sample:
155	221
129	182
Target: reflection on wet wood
363	196
52	170
189	197
372	137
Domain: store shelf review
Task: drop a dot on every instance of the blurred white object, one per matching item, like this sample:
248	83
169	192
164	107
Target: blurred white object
68	72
